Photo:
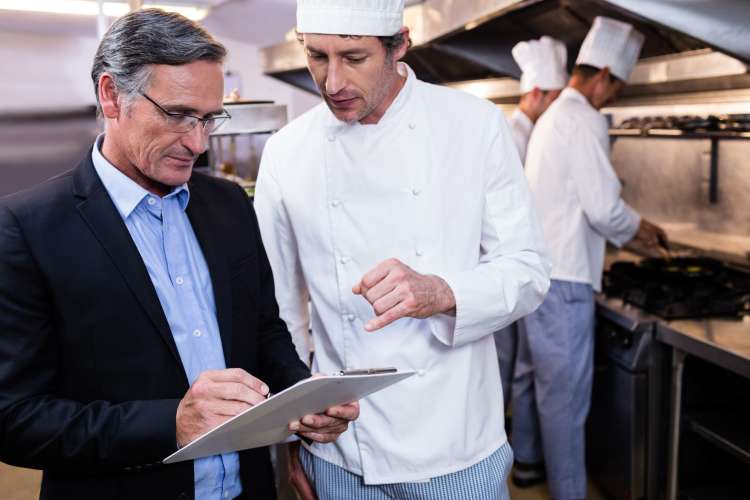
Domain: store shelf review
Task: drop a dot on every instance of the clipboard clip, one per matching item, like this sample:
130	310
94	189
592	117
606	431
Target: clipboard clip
366	371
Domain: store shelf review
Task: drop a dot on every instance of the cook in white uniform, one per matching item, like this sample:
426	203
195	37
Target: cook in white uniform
543	77
577	194
400	209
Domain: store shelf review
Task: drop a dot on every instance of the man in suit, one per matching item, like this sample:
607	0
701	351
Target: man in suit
137	304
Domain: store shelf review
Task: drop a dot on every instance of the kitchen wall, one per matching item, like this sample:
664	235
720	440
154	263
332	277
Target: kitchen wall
50	74
668	179
45	72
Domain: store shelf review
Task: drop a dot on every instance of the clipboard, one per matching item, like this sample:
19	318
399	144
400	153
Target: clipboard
266	423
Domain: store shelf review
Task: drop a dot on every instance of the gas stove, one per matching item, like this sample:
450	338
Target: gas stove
681	288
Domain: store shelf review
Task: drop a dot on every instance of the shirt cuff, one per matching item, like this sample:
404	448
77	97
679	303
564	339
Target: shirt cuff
443	327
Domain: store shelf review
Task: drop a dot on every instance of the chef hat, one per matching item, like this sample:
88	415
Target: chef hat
350	17
611	44
542	64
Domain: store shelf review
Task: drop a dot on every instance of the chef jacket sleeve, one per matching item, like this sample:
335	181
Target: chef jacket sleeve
281	246
598	188
511	276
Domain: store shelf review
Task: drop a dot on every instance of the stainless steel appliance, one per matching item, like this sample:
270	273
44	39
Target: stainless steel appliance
626	428
236	147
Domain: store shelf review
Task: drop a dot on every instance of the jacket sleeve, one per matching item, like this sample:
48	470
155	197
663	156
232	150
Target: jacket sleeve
280	364
292	292
39	429
512	275
598	189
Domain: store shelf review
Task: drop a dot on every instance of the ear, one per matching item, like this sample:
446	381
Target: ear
604	74
401	52
108	96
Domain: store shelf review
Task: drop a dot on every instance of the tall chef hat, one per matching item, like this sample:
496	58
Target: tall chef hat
611	44
350	17
542	63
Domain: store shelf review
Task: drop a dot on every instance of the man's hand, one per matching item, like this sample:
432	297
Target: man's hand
215	397
328	426
396	291
297	475
651	235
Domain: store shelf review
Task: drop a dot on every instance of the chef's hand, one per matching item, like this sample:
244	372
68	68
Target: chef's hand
651	235
327	426
216	396
297	476
397	291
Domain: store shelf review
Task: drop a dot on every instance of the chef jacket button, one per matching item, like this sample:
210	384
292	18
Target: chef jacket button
350	318
419	253
335	203
421	373
416	191
331	138
412	125
343	260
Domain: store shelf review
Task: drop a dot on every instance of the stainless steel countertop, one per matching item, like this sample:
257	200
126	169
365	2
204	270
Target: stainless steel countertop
725	342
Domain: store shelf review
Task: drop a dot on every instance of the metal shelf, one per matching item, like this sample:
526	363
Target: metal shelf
721	492
659	133
727	432
714	137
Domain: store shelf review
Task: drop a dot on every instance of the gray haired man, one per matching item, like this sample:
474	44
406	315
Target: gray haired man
137	304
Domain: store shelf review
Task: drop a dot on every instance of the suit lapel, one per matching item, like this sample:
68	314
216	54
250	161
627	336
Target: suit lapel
199	212
98	211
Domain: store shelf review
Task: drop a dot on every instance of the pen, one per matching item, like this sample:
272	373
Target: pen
367	371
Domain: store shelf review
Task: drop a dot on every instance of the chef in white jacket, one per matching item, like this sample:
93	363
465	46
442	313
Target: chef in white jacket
544	75
577	194
400	209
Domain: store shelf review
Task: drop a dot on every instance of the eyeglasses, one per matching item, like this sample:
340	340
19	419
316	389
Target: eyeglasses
184	123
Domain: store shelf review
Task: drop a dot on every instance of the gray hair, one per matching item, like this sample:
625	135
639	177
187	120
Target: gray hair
146	37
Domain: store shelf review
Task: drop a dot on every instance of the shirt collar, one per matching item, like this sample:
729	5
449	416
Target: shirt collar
523	118
126	194
399	103
573	94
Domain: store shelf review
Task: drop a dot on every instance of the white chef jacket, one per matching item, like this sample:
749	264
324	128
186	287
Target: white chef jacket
575	189
521	126
437	184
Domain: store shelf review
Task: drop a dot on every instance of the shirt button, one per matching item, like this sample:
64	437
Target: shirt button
226	494
350	318
412	125
331	138
197	333
421	373
335	203
419	253
343	260
151	201
179	280
416	191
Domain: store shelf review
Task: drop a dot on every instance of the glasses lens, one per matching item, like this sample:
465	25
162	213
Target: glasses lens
214	123
181	123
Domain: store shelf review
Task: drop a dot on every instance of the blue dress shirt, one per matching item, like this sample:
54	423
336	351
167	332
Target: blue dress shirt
165	239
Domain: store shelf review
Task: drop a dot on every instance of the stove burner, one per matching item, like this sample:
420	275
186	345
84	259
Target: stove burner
681	288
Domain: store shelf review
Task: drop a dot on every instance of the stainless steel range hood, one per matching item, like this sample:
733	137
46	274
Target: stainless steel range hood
690	45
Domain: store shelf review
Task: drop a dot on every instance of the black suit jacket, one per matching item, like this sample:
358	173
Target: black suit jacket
90	376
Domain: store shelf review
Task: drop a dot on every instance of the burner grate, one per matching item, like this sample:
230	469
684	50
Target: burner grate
688	287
